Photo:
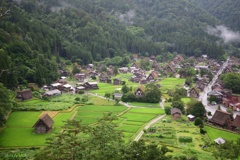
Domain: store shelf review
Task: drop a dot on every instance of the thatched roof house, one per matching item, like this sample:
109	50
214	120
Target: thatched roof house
220	118
44	124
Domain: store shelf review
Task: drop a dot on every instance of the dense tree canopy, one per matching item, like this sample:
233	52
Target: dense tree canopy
232	81
196	108
5	104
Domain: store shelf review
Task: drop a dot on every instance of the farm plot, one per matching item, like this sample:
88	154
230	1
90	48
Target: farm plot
105	88
89	114
56	103
174	133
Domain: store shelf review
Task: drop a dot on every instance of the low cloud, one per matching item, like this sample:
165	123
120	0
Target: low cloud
127	17
224	33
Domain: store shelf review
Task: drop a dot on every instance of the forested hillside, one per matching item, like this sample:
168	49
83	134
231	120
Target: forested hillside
227	11
35	33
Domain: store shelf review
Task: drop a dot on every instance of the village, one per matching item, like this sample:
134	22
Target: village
104	85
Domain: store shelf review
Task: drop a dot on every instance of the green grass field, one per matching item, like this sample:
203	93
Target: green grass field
186	100
171	83
214	133
139	104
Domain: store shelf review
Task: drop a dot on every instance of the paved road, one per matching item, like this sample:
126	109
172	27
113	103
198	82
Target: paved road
149	125
203	95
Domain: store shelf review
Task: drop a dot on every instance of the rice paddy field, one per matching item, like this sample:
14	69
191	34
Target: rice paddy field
19	132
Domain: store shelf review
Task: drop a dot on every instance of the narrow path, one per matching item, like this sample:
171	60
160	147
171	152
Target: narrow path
162	103
149	125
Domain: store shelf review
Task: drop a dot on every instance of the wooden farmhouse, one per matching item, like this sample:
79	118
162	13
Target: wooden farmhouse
178	59
220	118
194	92
139	92
236	123
24	95
169	69
176	113
117	81
231	101
44	124
152	76
91	85
51	93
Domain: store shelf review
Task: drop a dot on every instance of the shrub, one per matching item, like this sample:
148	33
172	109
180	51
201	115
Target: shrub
77	99
167	110
185	139
198	122
80	92
203	131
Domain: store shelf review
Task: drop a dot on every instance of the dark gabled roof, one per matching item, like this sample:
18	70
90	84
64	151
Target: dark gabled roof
25	94
175	110
196	90
46	119
236	121
141	87
220	117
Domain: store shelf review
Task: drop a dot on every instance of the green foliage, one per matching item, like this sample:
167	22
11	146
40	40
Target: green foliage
228	150
5	104
77	99
198	121
196	108
185	139
167	110
125	89
203	131
152	93
128	97
178	104
232	82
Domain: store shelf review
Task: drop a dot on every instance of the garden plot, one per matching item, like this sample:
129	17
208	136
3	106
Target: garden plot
176	133
56	103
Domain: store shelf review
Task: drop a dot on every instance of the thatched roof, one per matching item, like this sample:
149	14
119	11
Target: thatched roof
236	121
175	110
220	117
46	119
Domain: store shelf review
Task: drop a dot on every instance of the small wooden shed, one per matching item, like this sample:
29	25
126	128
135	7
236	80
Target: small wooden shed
44	124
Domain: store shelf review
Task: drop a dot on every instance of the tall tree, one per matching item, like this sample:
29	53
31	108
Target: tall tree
152	93
5	103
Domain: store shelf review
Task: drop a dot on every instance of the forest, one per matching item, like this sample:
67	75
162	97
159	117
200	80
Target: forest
35	34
